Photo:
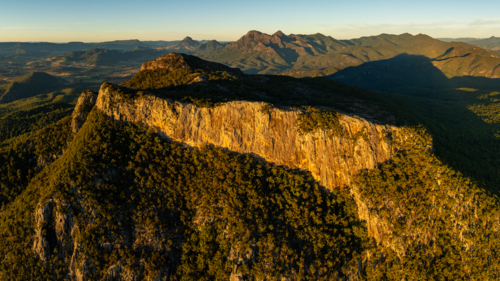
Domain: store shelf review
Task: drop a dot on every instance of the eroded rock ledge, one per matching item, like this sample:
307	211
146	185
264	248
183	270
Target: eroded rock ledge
270	133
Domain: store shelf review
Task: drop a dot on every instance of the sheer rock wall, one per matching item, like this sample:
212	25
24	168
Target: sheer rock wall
272	134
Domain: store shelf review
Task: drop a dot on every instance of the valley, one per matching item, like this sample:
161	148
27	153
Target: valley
274	157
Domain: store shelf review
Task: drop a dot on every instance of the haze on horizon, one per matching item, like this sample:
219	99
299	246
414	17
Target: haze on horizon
224	20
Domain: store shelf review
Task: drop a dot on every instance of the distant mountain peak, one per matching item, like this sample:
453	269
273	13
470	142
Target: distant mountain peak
184	69
210	46
254	36
129	41
174	61
279	33
253	32
188	42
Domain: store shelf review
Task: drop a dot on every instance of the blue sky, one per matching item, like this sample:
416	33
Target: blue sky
106	20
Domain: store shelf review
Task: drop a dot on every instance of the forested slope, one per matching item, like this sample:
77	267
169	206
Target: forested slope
113	193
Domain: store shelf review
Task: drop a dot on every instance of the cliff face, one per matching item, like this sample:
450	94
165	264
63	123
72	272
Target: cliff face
410	203
84	105
269	133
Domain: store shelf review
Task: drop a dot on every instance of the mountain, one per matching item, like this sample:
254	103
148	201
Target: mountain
42	49
211	45
161	44
188	42
29	85
193	170
312	55
460	61
104	57
120	44
190	46
258	53
492	43
458	88
406	70
464	39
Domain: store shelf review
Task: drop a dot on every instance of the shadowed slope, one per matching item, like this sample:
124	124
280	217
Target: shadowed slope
461	112
29	85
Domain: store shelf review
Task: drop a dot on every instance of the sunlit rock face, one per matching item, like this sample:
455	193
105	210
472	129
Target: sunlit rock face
271	134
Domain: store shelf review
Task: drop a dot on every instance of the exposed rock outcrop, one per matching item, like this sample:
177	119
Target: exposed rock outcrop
245	127
53	230
84	105
43	220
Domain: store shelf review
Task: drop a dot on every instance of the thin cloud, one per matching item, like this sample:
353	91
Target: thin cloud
431	24
479	27
485	22
20	27
387	25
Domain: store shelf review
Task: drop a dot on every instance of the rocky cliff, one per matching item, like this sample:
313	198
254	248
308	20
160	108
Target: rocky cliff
384	177
270	133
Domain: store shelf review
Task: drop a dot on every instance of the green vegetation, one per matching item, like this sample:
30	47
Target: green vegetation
324	55
147	207
23	158
68	95
442	226
489	108
134	180
28	86
158	79
460	113
103	57
492	43
220	86
25	121
206	212
319	119
38	50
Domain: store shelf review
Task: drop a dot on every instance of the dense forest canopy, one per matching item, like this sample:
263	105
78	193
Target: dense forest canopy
116	199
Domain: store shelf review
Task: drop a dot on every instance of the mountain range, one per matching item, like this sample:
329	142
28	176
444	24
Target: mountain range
316	55
296	55
492	43
45	49
192	170
386	168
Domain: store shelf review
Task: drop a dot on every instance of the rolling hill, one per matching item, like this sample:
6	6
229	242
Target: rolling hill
29	85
